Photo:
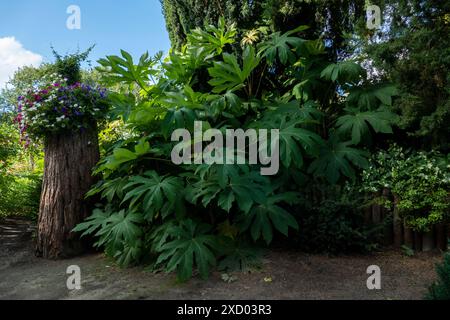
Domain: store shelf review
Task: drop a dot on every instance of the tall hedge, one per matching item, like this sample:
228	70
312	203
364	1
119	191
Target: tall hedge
329	19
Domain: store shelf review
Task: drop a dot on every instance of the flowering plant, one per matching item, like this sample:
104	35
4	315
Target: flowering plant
54	106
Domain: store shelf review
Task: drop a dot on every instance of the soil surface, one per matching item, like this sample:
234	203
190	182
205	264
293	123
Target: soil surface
284	275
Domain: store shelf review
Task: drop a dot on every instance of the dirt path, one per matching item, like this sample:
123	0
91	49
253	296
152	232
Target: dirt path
293	276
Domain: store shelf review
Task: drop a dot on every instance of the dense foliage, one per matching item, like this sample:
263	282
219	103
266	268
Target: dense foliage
412	51
330	20
336	223
440	290
23	79
420	182
20	175
334	90
190	216
7	152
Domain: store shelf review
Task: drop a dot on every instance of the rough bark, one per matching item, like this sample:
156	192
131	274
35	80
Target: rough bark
69	159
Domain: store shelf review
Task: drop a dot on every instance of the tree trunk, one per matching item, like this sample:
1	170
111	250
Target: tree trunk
69	159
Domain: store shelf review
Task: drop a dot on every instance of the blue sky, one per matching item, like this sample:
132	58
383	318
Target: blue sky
29	27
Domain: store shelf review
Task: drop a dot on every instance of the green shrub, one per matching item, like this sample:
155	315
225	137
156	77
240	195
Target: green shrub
19	184
419	180
440	290
189	217
21	196
335	224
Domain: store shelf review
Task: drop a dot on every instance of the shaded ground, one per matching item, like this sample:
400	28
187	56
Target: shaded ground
284	275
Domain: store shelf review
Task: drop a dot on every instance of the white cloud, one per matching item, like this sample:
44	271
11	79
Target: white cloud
13	56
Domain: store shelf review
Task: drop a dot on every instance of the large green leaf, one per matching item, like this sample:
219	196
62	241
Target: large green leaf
228	186
121	227
186	98
119	232
293	110
142	147
337	158
98	219
228	75
177	118
115	69
122	105
154	194
191	244
371	97
145	112
345	71
213	39
227	104
358	123
266	216
293	140
282	46
121	156
109	188
241	257
130	253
